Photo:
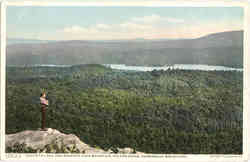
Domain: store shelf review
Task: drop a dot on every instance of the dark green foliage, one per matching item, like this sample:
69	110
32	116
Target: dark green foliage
173	111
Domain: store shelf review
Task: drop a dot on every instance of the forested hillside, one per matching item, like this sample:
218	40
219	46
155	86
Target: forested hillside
173	111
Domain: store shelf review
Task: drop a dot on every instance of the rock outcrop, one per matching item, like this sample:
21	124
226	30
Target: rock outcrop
54	141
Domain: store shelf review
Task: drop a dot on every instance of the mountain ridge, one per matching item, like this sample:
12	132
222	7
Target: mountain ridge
16	40
224	48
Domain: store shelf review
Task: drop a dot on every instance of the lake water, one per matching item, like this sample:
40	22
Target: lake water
176	66
151	68
50	65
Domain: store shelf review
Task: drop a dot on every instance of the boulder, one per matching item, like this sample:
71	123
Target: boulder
52	138
53	141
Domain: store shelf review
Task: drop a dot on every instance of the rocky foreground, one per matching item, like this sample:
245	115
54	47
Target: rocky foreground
53	141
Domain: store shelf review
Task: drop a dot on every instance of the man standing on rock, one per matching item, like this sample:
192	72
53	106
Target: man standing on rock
44	103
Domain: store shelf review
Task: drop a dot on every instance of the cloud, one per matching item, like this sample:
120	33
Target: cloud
102	26
136	24
74	29
174	20
133	26
156	19
125	29
148	27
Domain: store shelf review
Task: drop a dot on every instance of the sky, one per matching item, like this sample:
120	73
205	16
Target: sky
112	23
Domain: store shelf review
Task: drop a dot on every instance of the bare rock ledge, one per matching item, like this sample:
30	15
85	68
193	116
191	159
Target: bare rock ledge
38	140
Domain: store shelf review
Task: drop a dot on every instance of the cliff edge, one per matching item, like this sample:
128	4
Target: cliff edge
53	141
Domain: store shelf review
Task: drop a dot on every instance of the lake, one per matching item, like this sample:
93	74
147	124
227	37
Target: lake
175	66
151	68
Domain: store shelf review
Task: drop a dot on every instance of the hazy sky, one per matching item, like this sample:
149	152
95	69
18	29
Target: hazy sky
104	23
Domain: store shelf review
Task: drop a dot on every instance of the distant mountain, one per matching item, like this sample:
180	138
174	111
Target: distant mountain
225	48
24	41
11	41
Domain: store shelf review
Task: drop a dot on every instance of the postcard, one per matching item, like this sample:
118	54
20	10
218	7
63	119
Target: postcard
123	81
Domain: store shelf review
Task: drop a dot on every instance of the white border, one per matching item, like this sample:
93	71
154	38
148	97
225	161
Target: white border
246	82
177	3
151	3
2	75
